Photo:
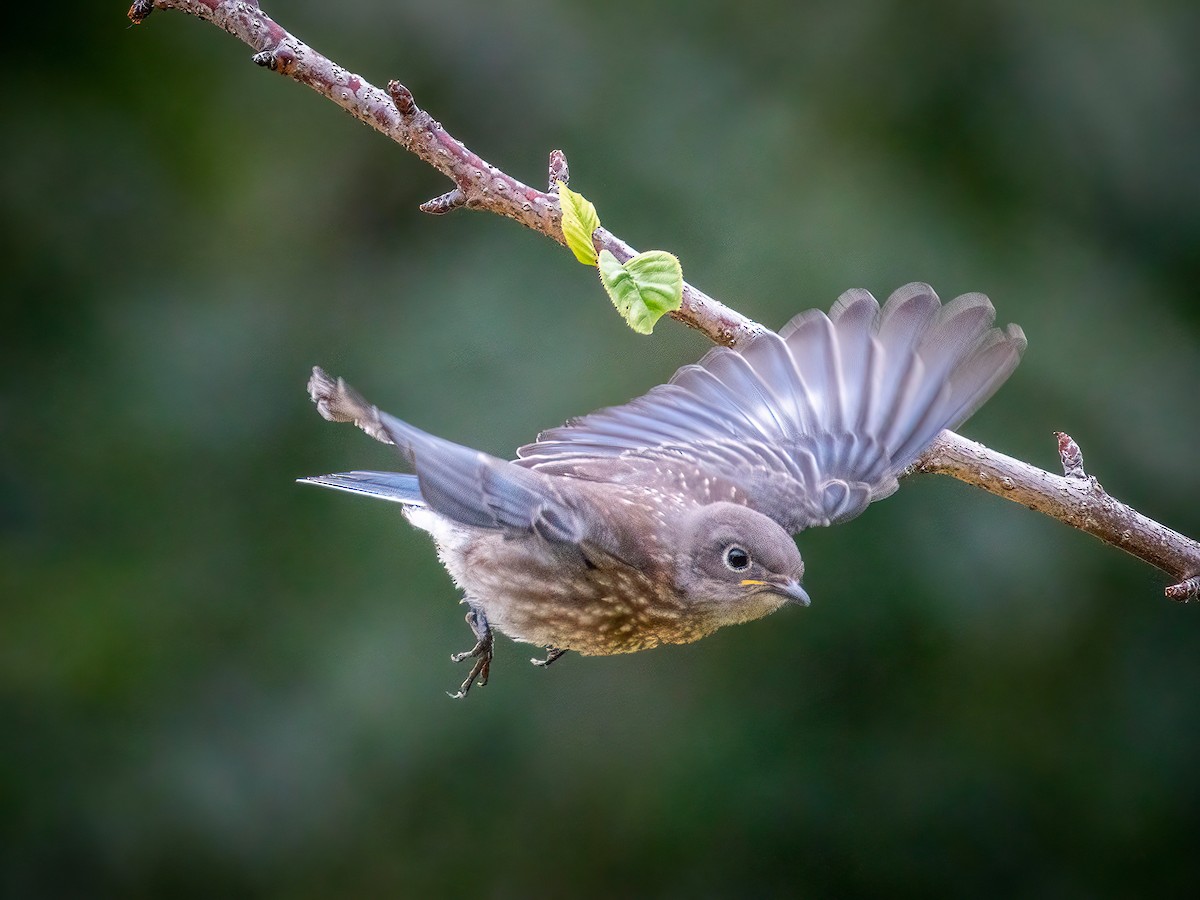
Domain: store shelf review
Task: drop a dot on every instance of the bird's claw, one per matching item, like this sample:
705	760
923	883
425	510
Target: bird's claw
477	650
552	653
481	653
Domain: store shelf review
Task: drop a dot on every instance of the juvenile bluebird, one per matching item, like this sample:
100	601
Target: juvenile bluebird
662	520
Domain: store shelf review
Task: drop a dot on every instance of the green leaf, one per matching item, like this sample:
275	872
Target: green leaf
643	289
579	220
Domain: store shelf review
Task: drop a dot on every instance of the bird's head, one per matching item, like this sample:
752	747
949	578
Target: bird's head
738	563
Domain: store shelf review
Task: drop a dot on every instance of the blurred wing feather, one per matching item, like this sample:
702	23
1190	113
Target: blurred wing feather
808	425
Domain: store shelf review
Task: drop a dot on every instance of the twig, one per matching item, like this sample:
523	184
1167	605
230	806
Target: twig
1073	498
478	184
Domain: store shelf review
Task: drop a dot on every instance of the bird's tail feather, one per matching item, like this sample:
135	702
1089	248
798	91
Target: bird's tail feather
465	485
395	486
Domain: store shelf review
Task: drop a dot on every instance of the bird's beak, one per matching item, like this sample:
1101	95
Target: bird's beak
794	592
790	589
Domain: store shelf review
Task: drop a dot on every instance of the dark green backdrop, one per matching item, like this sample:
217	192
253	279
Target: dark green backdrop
214	682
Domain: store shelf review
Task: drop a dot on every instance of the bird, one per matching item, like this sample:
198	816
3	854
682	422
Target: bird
663	519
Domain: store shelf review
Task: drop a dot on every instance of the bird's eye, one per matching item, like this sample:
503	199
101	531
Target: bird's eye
736	558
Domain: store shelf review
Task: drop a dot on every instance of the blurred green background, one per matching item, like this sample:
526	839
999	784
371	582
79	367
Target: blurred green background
214	682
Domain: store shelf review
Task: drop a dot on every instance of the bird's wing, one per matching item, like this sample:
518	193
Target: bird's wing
811	424
465	485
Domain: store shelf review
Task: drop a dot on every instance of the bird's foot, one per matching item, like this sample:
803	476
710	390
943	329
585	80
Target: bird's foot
552	653
481	653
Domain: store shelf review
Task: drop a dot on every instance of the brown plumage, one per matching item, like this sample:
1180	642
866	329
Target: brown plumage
666	518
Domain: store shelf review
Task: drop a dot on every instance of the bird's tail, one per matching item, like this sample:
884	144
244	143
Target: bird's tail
461	484
398	487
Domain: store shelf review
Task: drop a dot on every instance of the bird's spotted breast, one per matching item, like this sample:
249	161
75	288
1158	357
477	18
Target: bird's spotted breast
550	600
574	597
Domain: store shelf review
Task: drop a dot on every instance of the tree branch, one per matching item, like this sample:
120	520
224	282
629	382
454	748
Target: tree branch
1073	498
478	184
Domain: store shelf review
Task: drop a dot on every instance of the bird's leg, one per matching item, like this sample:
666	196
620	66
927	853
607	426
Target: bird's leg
482	651
552	653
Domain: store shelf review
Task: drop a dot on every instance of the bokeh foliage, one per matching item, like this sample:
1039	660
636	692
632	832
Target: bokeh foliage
215	682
